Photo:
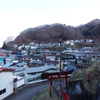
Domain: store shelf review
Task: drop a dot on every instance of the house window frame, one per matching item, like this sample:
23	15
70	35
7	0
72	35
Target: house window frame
2	91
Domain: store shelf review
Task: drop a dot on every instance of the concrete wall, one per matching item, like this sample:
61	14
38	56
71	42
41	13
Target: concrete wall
6	82
20	82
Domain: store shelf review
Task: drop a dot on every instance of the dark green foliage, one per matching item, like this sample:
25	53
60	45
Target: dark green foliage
94	72
84	45
5	46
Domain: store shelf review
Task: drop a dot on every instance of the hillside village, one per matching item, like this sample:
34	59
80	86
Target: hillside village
27	63
49	50
50	34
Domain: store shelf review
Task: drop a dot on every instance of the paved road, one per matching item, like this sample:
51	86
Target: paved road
27	92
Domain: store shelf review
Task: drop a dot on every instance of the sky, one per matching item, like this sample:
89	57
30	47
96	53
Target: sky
18	15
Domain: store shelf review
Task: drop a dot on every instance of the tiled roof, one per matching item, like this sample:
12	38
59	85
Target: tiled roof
6	69
38	55
7	64
51	61
21	64
40	69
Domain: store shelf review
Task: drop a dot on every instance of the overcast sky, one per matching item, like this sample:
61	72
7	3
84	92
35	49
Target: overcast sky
18	15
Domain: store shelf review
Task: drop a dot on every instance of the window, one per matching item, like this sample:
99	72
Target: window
2	91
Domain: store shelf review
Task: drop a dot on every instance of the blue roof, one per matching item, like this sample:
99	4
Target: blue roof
10	57
20	53
40	69
21	64
7	64
2	58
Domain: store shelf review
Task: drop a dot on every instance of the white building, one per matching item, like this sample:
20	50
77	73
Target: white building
6	82
19	73
50	57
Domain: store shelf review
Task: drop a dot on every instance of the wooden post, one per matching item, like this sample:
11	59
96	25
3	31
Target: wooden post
89	79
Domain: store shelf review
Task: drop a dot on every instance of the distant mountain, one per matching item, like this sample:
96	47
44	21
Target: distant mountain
94	22
93	30
52	33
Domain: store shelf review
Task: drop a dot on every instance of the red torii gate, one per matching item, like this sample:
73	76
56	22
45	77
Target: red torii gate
64	73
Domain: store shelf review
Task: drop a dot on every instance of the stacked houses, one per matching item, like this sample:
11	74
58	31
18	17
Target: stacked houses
29	68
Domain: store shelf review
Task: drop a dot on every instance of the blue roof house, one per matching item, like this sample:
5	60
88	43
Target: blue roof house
33	74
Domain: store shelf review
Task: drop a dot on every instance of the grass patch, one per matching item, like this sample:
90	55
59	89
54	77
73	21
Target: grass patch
44	95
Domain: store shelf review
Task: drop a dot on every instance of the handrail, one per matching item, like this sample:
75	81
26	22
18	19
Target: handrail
65	95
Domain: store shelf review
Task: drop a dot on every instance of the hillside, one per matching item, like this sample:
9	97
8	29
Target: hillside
91	29
48	33
94	77
51	33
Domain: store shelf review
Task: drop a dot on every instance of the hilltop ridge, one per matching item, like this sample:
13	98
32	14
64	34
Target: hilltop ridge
46	33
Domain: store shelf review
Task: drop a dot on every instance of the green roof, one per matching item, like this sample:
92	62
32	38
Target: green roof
38	54
21	64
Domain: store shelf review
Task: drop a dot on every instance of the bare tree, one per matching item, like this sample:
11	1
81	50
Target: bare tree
9	39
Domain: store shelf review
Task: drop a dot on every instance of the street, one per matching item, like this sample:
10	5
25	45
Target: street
28	92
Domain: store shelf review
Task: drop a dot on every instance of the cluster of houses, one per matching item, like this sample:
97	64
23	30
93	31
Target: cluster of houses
28	69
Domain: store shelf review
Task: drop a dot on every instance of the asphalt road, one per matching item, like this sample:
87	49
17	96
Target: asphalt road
27	92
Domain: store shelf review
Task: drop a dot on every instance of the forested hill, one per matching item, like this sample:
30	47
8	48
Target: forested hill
47	33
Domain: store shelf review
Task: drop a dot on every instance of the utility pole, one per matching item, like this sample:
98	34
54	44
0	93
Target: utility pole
60	90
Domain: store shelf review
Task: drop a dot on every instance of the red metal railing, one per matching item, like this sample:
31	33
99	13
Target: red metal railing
65	95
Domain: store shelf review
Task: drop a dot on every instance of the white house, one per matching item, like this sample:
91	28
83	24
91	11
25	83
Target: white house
9	59
51	63
50	57
6	82
20	81
19	73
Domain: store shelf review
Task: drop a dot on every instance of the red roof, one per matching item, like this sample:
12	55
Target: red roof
6	69
25	60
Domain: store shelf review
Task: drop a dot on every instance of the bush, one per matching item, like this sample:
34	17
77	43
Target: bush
84	45
94	72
